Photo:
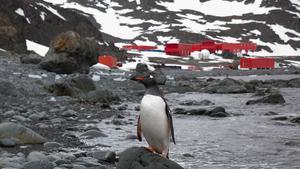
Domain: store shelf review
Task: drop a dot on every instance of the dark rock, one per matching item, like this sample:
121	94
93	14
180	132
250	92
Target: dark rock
31	58
69	113
295	120
188	155
226	85
190	112
294	83
52	145
8	89
196	103
273	98
131	137
101	95
107	156
38	164
218	112
69	53
293	143
75	85
280	118
61	161
21	133
271	113
93	134
140	158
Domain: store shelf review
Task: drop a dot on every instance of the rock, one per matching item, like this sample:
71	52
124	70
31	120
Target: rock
69	113
38	164
131	137
32	58
196	103
280	118
9	142
93	134
295	120
21	133
35	155
61	161
39	116
271	113
107	156
226	85
52	145
188	155
101	95
273	98
69	53
8	89
75	85
140	158
190	112
294	83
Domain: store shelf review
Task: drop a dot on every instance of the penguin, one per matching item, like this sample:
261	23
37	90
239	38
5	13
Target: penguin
155	122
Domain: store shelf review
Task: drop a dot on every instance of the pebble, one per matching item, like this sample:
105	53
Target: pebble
93	134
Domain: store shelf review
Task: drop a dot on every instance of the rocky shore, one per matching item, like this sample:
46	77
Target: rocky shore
44	116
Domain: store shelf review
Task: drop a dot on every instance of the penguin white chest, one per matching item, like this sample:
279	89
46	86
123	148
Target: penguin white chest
154	121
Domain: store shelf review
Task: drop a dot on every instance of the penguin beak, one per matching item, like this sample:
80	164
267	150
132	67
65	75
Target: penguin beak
137	78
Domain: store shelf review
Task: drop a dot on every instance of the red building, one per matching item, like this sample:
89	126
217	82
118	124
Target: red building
182	49
257	63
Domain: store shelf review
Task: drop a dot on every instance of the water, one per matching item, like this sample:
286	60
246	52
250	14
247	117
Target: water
247	140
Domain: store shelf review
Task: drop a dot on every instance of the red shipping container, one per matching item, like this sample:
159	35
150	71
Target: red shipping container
257	63
108	60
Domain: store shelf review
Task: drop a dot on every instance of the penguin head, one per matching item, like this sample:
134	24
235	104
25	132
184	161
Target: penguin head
146	79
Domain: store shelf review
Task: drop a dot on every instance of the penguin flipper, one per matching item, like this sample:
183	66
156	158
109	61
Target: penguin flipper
170	121
139	130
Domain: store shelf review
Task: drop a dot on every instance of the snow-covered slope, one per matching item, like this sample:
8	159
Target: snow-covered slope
273	24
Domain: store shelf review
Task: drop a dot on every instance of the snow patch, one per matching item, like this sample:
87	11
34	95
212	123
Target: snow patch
281	32
43	15
20	12
38	48
54	11
217	7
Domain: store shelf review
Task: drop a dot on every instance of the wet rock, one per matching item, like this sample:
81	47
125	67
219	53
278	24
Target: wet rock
93	134
52	145
8	89
190	112
226	85
273	98
21	133
61	161
69	113
70	53
218	112
107	156
140	158
35	155
32	58
101	95
38	164
280	118
196	103
39	116
75	85
131	137
271	113
118	122
295	120
188	155
294	83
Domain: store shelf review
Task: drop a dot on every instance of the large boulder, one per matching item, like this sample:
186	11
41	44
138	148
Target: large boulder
226	85
273	98
12	134
70	53
32	58
140	158
82	87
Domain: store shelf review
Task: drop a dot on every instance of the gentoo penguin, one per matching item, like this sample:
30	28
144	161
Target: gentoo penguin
155	121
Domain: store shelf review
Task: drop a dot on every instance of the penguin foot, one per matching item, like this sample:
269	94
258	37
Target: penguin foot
150	149
165	154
